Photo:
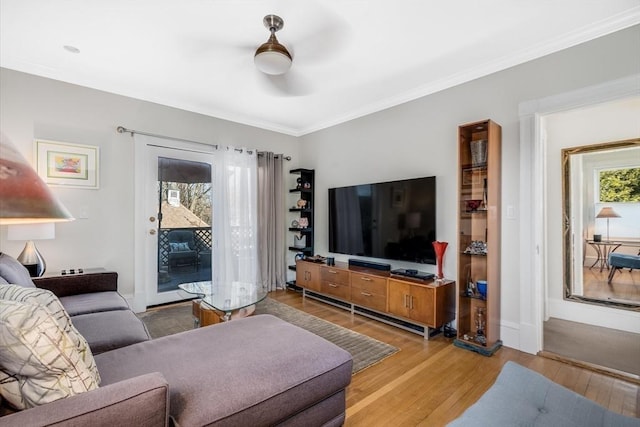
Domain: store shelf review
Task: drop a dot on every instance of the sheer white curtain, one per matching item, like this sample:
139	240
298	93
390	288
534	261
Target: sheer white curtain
235	219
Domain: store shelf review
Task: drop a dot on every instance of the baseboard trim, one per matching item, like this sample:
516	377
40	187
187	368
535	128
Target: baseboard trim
632	378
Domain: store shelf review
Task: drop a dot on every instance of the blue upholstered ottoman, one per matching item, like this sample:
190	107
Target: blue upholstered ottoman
522	397
619	261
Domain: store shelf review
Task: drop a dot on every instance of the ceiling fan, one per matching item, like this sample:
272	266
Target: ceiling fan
319	41
274	61
272	57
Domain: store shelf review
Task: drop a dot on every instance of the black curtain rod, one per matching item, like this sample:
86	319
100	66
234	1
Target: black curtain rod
122	129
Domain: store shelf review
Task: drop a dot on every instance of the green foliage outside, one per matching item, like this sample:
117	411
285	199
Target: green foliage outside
620	185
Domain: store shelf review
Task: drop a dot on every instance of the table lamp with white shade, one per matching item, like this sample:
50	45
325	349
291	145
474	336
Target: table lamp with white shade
607	212
26	199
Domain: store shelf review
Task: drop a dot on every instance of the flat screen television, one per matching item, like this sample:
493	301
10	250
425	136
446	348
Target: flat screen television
390	220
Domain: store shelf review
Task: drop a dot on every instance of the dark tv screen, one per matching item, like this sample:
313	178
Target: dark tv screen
390	220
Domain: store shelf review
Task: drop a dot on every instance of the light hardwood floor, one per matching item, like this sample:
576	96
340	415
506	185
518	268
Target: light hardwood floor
624	287
430	383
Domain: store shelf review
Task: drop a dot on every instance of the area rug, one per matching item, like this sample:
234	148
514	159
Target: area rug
365	350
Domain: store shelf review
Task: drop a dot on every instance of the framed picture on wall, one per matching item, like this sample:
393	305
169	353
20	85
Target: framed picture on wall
67	165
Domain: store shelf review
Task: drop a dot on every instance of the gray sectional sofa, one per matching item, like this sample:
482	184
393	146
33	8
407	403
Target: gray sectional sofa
93	302
256	371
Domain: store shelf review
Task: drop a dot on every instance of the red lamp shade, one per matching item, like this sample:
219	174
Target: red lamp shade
24	197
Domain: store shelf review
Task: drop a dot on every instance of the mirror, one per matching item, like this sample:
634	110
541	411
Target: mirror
601	216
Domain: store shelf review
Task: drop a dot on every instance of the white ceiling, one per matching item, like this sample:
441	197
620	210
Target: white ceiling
351	57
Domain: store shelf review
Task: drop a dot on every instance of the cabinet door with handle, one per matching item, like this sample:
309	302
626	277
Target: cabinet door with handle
308	275
415	302
423	305
399	298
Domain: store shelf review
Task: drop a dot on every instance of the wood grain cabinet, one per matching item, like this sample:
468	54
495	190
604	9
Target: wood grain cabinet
335	282
422	307
431	305
369	291
308	275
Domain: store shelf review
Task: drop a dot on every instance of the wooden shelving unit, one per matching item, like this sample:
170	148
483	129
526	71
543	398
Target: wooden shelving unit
479	196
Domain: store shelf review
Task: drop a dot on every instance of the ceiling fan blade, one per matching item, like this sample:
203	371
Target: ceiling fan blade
290	84
325	42
315	33
203	47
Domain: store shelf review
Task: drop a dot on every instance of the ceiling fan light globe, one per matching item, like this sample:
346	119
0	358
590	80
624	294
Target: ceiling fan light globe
272	62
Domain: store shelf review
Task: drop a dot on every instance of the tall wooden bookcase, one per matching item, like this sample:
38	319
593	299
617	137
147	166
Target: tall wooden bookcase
479	196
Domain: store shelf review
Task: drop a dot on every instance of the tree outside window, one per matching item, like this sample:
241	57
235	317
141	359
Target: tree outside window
620	185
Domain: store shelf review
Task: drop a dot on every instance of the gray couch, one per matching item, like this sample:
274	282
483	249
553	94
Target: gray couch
522	397
255	371
92	300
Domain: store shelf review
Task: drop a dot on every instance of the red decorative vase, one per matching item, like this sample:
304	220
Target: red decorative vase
440	248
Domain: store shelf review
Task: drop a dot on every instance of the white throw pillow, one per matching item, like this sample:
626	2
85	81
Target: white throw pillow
40	363
48	300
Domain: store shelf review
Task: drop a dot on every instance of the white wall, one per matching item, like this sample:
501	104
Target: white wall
607	122
33	107
418	138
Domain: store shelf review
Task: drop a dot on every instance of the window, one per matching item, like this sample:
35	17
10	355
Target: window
619	185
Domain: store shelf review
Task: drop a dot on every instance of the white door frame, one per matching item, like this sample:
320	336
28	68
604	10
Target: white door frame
142	152
533	276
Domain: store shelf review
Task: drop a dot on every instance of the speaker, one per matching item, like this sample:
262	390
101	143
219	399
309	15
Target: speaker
369	264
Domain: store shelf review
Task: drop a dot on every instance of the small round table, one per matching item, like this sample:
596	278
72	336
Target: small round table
603	249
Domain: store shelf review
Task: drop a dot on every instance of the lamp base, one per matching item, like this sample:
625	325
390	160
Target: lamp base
32	269
32	260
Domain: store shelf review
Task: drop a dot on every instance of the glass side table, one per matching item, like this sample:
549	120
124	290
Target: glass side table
226	298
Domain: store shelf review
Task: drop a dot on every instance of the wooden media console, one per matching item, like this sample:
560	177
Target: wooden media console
419	306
